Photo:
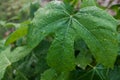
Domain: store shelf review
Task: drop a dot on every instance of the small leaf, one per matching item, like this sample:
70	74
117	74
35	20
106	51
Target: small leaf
87	3
70	2
33	7
20	32
51	74
84	57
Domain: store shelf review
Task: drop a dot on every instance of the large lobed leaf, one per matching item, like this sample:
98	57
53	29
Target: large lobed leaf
93	25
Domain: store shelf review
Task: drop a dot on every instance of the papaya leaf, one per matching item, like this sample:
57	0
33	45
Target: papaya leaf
96	27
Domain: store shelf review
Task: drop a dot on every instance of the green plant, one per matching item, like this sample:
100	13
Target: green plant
82	42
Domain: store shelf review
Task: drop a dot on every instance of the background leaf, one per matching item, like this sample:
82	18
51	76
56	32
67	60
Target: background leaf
51	74
8	57
20	32
87	3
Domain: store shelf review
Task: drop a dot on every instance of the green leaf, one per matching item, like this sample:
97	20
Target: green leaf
84	57
41	52
2	47
98	30
71	2
10	25
7	57
45	21
33	65
96	73
2	23
51	74
20	76
87	3
61	53
48	24
33	7
114	74
66	1
96	27
20	32
3	63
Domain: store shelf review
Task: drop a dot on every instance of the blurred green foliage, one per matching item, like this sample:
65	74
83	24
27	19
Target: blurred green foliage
12	12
